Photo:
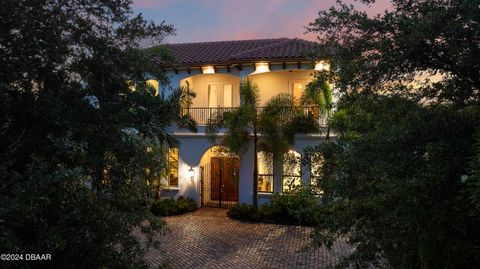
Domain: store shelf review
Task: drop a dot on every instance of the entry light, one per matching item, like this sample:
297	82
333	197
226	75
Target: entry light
191	173
322	66
208	69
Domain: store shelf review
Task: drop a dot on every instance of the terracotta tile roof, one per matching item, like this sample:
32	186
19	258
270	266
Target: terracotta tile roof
224	52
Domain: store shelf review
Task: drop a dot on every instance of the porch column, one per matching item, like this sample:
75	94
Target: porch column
278	175
246	172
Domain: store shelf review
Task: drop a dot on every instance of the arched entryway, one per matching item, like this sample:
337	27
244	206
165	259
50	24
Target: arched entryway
219	178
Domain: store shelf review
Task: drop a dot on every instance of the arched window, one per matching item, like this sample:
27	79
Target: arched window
265	171
153	83
292	170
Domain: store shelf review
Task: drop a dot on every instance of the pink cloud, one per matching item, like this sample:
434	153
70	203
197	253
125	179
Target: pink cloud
248	19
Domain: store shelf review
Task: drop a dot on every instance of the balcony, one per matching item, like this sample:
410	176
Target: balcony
205	115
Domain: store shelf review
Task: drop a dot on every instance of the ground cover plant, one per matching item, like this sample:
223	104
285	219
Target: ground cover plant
171	206
296	208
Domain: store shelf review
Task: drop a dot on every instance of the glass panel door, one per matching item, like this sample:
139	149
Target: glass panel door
212	96
227	95
298	87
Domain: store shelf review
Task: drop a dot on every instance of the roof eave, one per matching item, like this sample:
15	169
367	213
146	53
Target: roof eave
238	61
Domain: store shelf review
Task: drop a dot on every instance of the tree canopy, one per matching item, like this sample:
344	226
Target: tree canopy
73	133
376	53
395	179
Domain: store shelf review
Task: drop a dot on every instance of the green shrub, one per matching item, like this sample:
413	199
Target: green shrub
242	212
167	207
296	208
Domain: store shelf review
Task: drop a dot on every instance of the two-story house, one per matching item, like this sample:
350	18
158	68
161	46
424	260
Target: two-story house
214	71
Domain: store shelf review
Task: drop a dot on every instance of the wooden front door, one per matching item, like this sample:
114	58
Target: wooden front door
224	180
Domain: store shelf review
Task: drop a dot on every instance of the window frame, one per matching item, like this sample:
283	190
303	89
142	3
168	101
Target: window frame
172	168
264	174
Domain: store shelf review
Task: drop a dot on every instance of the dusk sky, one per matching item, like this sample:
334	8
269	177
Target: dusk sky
215	20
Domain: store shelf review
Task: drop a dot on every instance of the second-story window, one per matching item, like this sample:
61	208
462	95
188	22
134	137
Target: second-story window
212	95
227	95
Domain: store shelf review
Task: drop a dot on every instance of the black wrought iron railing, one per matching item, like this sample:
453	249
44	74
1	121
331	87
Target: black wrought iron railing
211	115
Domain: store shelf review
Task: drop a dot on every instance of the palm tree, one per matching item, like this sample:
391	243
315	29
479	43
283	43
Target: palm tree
319	92
239	124
278	122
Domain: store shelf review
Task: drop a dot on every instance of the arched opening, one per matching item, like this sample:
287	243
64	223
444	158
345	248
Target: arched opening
219	177
281	81
215	94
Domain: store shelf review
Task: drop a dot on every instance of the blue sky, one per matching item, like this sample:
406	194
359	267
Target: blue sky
215	20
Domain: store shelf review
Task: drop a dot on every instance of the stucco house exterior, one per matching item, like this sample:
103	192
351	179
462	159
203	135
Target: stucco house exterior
214	70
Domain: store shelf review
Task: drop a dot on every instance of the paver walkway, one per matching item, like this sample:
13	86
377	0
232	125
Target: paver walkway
207	238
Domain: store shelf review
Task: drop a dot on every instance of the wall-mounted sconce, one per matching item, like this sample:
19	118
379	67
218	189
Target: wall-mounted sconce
191	173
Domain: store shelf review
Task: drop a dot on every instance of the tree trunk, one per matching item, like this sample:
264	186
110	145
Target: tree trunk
327	135
255	162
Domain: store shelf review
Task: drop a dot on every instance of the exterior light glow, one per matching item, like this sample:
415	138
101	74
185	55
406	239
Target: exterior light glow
209	69
191	173
261	67
131	85
322	66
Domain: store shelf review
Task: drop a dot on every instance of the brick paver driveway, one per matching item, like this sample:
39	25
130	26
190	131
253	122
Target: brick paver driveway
207	238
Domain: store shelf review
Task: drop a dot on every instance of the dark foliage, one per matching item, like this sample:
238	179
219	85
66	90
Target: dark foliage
167	207
298	207
74	136
394	181
396	186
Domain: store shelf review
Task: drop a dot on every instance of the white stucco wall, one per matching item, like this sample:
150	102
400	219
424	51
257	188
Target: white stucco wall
269	83
193	146
273	83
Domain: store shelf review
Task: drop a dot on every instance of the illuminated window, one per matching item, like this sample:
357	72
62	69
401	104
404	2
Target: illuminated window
170	178
131	85
265	171
292	171
153	83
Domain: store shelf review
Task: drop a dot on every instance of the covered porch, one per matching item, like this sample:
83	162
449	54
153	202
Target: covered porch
219	93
